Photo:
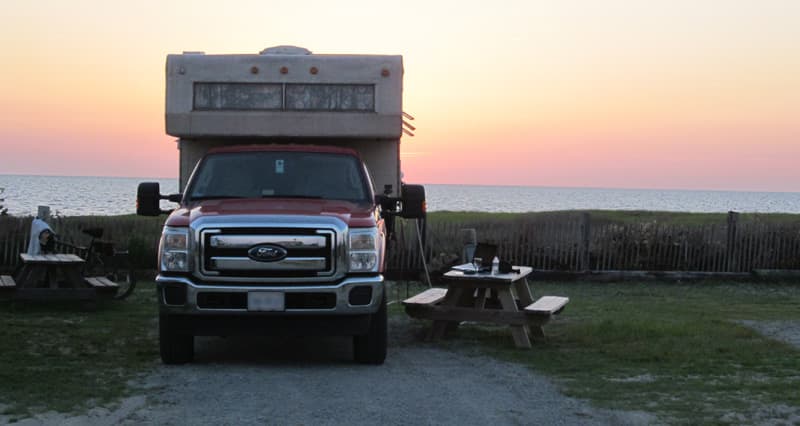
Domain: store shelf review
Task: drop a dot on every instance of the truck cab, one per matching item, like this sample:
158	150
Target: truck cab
279	229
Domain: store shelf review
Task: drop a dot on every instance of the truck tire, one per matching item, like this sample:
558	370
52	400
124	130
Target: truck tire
175	347
371	348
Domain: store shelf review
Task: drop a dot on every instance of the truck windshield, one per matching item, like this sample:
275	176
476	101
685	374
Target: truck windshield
270	174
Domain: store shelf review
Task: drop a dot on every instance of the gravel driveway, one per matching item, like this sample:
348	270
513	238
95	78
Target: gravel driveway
314	382
785	331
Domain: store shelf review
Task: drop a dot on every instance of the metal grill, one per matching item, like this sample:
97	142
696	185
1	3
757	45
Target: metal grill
308	252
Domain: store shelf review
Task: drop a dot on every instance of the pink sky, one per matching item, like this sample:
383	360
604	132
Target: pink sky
627	94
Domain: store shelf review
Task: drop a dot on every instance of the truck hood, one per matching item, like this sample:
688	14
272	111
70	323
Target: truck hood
352	214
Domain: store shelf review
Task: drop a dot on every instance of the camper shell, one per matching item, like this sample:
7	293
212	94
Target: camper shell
286	95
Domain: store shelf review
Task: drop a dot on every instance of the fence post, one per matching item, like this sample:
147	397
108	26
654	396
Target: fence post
731	245
586	234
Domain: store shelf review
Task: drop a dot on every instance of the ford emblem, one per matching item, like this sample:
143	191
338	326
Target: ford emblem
267	253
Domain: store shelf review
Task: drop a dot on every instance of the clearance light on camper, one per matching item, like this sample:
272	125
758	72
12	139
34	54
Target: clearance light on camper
364	250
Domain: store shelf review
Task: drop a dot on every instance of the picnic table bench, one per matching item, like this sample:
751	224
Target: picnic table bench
7	283
465	299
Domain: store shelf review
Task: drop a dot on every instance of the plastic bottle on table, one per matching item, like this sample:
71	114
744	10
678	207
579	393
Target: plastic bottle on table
495	266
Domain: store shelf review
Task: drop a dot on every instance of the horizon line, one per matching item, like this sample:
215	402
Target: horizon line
462	184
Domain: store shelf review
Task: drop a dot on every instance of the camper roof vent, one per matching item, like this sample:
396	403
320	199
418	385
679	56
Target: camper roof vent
285	50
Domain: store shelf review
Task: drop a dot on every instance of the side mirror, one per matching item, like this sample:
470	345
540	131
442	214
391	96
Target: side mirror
414	206
148	198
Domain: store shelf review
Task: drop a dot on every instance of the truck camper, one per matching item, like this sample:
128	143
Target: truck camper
289	182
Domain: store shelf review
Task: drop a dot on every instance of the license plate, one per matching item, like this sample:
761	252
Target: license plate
265	301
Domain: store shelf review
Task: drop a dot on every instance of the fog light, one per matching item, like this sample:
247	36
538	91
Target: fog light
175	295
360	296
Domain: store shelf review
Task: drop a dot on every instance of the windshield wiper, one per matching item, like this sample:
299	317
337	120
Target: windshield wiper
214	197
307	197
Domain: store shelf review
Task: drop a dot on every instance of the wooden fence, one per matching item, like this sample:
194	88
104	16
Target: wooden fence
138	234
576	242
563	241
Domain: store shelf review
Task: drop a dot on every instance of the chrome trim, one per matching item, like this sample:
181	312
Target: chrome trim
286	264
341	289
296	242
323	224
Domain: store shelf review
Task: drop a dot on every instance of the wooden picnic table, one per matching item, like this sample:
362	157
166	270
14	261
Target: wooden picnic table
50	271
54	276
465	299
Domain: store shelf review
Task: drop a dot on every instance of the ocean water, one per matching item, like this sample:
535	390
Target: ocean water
525	199
72	196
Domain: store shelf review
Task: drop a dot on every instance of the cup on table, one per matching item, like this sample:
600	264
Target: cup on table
476	263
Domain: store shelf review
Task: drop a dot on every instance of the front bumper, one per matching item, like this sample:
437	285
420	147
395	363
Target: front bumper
186	303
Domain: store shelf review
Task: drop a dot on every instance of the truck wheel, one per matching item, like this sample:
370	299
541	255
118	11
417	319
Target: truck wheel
371	348
175	347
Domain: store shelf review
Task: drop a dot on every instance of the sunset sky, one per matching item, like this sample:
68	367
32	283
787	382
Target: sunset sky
619	94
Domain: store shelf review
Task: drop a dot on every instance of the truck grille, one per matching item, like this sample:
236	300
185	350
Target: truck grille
304	252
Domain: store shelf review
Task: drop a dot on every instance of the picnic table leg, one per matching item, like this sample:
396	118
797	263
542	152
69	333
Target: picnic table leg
523	291
22	276
480	299
469	298
537	332
465	300
52	276
32	276
452	298
525	299
519	332
73	277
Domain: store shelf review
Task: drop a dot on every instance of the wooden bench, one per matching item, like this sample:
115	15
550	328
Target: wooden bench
7	282
547	305
102	284
430	296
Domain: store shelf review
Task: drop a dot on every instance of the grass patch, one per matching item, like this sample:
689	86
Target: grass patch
670	349
61	357
674	350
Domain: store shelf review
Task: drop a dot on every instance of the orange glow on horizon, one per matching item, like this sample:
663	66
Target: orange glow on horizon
613	94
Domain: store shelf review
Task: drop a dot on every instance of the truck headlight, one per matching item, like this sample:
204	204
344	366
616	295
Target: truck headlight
365	249
173	255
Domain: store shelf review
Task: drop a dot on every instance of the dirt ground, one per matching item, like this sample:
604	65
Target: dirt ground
240	381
